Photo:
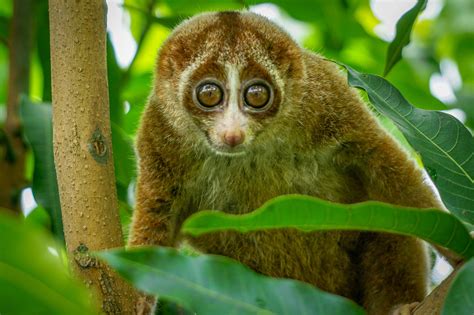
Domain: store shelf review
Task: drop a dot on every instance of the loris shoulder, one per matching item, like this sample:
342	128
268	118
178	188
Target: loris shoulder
239	114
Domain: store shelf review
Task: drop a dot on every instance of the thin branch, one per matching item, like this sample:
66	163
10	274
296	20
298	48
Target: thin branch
434	302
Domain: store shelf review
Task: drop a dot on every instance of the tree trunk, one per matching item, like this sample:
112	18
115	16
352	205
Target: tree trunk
12	147
83	148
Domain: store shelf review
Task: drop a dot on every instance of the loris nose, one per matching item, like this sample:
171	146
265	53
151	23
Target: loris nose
234	138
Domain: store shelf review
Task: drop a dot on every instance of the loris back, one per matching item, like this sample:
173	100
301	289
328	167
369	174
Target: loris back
239	114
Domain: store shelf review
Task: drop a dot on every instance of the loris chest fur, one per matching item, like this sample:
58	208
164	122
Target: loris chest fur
242	184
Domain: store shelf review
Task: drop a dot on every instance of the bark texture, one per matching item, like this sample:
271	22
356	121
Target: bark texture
83	147
12	147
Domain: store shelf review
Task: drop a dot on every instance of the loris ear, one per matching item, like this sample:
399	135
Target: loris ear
168	64
174	55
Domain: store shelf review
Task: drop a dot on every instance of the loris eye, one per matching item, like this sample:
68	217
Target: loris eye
209	94
257	95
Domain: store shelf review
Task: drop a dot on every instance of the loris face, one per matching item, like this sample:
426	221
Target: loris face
231	74
230	105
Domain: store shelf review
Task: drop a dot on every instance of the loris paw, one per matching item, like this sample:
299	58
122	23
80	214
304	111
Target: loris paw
405	309
145	305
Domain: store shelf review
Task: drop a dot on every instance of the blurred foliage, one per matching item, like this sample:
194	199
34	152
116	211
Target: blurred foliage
41	284
39	134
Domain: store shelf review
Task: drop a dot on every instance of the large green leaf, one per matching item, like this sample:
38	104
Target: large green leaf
444	143
309	214
211	285
32	279
402	37
460	300
39	133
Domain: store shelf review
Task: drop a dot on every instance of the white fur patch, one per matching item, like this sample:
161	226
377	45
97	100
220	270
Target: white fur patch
233	116
233	84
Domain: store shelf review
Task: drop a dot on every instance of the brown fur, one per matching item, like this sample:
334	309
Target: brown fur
318	139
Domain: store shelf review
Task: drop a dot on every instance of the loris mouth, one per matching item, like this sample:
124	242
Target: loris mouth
225	150
230	154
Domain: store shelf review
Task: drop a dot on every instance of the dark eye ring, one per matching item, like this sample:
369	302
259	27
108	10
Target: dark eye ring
257	94
208	94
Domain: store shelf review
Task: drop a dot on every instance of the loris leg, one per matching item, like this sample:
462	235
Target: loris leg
389	175
393	272
394	268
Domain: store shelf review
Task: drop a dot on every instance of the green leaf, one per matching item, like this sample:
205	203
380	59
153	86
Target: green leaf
211	285
32	280
39	133
4	23
445	145
310	214
124	156
113	75
402	37
40	217
460	300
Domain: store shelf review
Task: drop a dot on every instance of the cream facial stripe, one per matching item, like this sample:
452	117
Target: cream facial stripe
233	116
233	81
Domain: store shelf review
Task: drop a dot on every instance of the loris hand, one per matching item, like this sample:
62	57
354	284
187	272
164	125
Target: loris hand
405	309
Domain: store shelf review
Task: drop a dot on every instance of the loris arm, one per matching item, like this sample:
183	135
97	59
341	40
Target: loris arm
388	174
151	221
151	217
151	224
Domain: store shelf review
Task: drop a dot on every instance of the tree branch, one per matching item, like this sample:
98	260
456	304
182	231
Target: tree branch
434	302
